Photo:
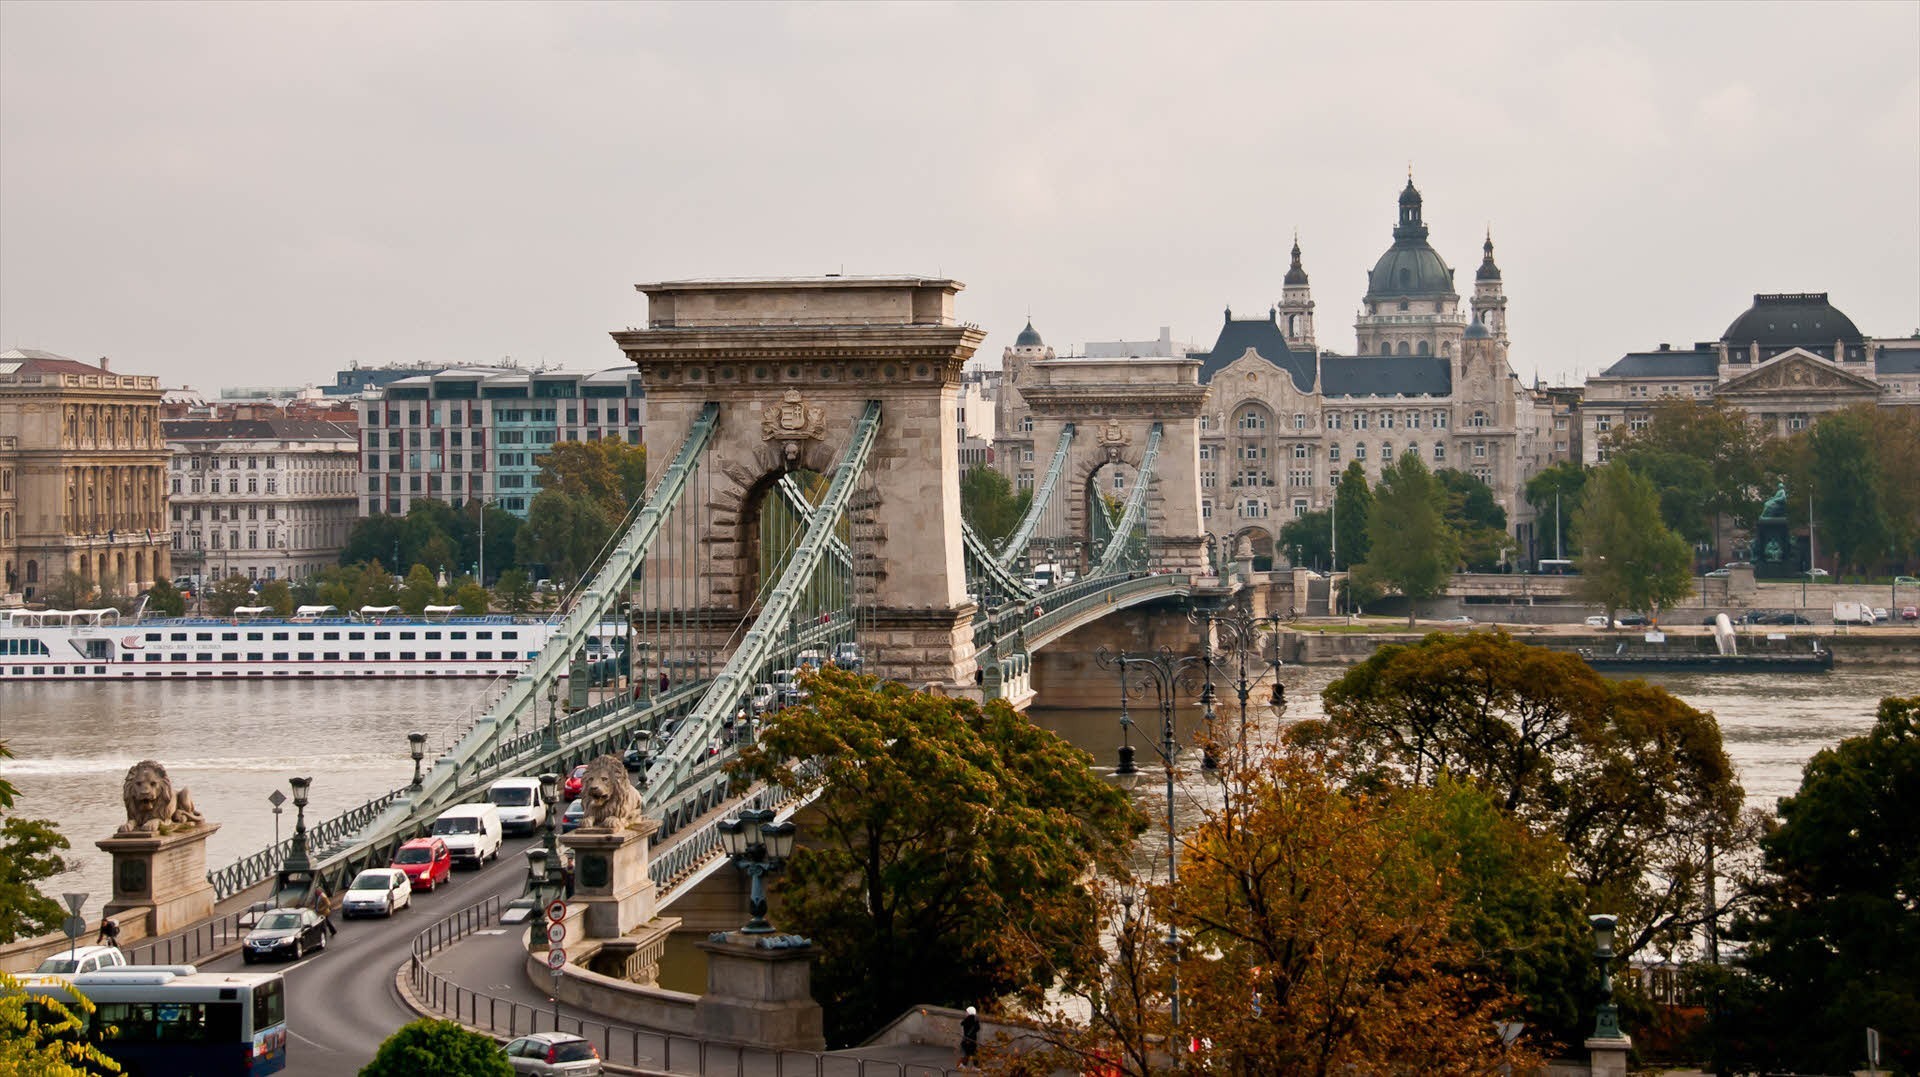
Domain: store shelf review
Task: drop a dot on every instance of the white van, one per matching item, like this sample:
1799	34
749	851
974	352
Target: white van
522	811
471	831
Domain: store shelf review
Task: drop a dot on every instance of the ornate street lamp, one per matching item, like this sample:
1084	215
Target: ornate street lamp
1606	1018
550	740
550	795
297	859
537	890
758	846
417	747
1241	641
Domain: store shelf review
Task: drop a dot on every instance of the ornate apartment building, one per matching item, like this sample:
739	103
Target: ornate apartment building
1285	417
82	474
266	498
1783	361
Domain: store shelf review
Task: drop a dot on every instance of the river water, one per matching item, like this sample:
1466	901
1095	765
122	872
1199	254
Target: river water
234	743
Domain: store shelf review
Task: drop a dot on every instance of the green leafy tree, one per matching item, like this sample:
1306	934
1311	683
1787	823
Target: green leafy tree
29	853
229	594
502	531
433	1048
1555	494
1353	504
420	591
988	502
1476	516
1632	781
277	594
1308	540
563	532
515	590
606	472
165	600
1411	545
46	1038
1833	943
952	841
373	538
1704	459
1629	559
472	598
1846	492
67	591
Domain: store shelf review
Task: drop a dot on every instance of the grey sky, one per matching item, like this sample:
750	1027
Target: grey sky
257	194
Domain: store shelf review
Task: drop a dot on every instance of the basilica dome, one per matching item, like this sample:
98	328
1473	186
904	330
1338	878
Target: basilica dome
1411	267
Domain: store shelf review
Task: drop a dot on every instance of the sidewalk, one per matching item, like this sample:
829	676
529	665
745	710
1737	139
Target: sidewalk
492	963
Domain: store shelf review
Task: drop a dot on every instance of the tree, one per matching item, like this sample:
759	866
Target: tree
1323	935
472	598
229	594
46	1038
1308	540
607	472
515	590
1846	492
164	599
1833	944
420	590
67	591
953	838
1555	493
1632	781
1411	545
1703	458
502	530
373	538
277	594
1628	557
988	503
29	853
563	532
430	1047
1352	504
1476	516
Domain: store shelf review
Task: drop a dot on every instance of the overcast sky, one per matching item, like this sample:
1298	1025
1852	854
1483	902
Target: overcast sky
257	194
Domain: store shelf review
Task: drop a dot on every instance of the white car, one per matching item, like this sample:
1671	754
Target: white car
1462	619
1597	622
83	959
1880	614
377	892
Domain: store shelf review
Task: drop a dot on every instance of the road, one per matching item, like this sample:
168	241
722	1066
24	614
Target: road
341	1002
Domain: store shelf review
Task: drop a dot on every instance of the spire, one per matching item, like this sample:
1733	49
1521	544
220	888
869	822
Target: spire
1296	274
1488	271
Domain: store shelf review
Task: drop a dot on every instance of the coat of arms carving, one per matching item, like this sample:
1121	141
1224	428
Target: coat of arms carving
793	419
1113	438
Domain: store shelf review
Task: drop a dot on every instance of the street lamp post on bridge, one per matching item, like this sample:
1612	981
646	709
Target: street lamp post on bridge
1241	636
758	846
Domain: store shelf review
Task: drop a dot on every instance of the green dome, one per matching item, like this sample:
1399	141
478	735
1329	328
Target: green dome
1411	266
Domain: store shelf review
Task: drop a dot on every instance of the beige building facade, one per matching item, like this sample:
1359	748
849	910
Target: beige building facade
83	465
262	498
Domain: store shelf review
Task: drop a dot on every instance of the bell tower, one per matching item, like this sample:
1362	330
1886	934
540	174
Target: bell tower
1296	304
1489	295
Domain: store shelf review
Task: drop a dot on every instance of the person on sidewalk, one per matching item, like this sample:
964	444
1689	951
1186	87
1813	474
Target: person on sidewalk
324	906
969	1037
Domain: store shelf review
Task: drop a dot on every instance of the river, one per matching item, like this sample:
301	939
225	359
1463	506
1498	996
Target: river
232	744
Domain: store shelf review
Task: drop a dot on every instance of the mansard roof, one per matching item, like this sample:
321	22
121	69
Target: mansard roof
1898	359
1699	363
1263	337
1386	375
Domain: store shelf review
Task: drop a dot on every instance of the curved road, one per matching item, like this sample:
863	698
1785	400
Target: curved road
341	1002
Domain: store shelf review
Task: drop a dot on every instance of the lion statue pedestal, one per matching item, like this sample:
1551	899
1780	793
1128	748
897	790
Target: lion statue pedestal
610	878
159	855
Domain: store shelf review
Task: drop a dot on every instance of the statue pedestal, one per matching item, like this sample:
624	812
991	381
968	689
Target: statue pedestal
610	878
759	990
1608	1057
161	877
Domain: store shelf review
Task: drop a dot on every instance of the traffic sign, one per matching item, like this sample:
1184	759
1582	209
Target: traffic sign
74	901
556	911
556	933
74	926
557	958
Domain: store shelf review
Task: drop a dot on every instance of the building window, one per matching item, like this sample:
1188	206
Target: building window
1439	420
1026	456
1206	422
1026	424
1333	454
1359	420
1206	510
1602	423
1413	420
1299	421
1252	421
1794	422
1479	450
1477	420
1439	450
1484	474
1300	452
1360	451
1119	481
1209	479
1299	507
1637	423
1025	481
1333	420
1386	420
1206	452
1300	477
1386	453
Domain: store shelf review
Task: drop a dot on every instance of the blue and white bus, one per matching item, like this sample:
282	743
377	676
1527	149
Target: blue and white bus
163	1020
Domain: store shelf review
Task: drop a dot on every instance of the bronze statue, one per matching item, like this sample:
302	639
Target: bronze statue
154	806
611	801
1776	506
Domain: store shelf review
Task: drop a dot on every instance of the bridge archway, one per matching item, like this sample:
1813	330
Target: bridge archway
792	365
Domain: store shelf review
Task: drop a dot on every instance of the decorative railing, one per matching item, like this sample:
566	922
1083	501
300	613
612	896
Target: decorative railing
260	866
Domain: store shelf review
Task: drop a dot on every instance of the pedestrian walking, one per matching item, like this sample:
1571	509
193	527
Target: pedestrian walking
109	933
969	1037
324	906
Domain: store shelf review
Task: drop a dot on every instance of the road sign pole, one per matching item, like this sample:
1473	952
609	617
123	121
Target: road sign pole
74	924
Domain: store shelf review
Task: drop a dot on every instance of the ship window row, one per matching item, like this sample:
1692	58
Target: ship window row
334	656
206	637
23	646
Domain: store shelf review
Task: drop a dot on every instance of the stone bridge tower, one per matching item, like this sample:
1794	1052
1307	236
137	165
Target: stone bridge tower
826	345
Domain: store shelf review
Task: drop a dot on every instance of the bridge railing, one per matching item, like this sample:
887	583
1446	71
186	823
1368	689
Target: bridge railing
260	866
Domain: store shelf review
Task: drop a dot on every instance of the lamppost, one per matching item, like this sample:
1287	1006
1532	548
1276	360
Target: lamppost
297	860
416	747
550	740
1240	633
1606	1018
1168	677
537	890
758	846
549	793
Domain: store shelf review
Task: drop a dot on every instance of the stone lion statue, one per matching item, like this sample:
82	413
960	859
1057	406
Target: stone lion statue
611	802
154	806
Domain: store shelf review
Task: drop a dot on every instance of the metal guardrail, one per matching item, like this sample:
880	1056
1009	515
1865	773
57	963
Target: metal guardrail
619	1045
1016	543
260	866
192	946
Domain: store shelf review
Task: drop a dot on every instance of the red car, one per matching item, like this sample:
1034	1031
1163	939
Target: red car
426	862
570	788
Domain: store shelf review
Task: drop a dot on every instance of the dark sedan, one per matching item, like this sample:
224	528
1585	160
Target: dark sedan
285	933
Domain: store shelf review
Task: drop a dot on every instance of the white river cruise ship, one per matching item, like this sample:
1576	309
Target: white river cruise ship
316	642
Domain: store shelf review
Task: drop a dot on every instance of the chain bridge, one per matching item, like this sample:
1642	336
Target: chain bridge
809	511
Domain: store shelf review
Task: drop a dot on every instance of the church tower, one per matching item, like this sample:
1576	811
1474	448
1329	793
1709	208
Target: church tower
1489	295
1027	348
1296	305
1411	307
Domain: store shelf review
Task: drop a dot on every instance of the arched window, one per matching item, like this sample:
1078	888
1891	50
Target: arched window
33	572
1422	350
1403	348
1386	347
1446	347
